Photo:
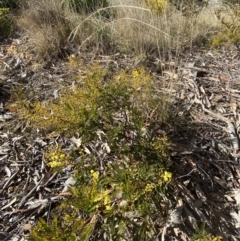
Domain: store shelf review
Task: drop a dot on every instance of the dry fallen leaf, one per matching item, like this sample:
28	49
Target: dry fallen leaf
170	74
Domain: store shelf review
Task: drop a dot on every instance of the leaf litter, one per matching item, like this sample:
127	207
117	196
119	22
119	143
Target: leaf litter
207	184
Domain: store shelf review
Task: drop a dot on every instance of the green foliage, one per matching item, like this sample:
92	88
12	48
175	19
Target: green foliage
123	202
43	232
117	107
229	29
5	23
13	4
4	11
202	235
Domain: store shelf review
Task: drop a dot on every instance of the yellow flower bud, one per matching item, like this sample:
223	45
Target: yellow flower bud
62	156
167	176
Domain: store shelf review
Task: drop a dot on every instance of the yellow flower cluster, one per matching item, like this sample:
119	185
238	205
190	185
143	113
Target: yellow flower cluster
167	176
149	187
95	175
106	200
135	74
103	196
56	159
157	6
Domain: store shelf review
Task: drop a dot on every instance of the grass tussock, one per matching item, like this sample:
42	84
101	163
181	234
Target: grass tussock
47	26
142	30
54	27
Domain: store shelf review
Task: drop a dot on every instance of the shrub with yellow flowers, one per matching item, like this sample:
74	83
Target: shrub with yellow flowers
122	202
229	27
122	197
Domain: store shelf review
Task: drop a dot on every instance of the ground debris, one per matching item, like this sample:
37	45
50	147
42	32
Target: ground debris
206	84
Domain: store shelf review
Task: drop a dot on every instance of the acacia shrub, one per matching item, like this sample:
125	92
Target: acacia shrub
229	29
125	195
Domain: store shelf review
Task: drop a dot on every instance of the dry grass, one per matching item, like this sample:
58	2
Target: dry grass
53	26
50	24
47	26
138	28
